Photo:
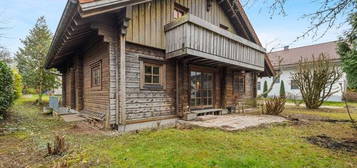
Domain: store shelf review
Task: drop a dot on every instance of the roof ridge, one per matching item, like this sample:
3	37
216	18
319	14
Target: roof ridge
335	41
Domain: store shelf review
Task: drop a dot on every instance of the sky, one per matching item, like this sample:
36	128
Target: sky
19	16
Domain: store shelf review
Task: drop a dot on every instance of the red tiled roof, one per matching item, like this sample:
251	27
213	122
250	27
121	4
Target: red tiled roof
293	55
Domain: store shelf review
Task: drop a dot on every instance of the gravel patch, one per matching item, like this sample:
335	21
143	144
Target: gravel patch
234	122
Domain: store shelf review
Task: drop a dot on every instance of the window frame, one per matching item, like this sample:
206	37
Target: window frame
277	80
162	76
291	85
224	27
259	85
212	89
179	9
241	90
96	66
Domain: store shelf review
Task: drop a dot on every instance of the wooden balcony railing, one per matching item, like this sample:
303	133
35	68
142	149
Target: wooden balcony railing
191	35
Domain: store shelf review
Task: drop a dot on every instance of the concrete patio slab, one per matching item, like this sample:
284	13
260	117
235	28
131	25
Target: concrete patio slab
233	122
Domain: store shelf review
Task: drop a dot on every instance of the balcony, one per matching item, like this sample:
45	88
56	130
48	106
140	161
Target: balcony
193	36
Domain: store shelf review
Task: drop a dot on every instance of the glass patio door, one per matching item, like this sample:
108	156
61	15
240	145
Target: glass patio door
201	89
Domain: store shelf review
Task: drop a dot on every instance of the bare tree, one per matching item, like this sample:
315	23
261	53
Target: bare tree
316	80
324	18
5	55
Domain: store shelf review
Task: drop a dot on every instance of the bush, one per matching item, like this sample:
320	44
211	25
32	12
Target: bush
316	80
6	89
274	106
17	78
30	91
295	99
282	89
265	88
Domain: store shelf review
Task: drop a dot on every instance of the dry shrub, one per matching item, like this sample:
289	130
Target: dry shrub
61	164
274	106
59	146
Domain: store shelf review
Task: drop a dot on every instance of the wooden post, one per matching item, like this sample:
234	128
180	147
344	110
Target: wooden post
79	81
177	89
64	88
124	23
122	80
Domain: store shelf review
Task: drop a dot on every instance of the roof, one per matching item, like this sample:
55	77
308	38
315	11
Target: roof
85	1
292	56
76	10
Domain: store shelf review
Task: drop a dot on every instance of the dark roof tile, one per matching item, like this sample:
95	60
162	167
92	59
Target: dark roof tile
293	55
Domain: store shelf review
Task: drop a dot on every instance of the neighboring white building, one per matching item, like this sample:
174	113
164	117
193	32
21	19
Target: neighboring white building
290	59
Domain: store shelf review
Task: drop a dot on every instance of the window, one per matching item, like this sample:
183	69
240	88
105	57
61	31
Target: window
278	80
223	26
241	84
179	11
96	74
152	75
294	84
258	86
201	89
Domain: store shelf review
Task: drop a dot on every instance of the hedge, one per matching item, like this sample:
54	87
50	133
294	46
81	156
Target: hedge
18	86
6	89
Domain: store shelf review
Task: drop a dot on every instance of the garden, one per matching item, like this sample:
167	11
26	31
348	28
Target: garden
313	138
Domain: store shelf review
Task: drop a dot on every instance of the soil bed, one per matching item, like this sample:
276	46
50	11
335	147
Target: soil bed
334	144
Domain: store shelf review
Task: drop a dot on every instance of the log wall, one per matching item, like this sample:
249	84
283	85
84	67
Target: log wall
145	103
96	101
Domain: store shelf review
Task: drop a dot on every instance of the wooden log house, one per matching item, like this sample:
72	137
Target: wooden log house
136	61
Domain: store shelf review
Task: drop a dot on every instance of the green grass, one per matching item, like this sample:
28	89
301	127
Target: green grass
281	145
335	114
33	98
331	103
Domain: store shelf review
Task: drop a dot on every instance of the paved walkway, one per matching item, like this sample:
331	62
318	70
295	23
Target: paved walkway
233	122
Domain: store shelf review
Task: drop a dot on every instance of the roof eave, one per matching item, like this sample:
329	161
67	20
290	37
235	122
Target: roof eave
71	6
104	6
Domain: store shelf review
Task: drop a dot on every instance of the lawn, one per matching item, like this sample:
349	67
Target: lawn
333	103
326	113
278	145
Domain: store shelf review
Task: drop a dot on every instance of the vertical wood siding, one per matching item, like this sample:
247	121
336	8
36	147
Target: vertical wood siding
192	36
147	25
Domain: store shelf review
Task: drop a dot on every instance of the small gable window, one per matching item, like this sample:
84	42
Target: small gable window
96	74
223	26
179	11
